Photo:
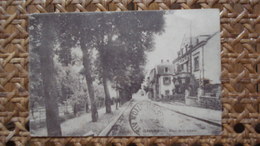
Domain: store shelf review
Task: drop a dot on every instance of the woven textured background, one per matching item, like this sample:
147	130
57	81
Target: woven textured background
240	29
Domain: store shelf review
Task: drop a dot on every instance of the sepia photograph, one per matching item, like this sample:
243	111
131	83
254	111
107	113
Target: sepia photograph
138	73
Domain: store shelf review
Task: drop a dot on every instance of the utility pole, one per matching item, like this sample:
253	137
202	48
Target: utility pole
191	47
203	69
190	34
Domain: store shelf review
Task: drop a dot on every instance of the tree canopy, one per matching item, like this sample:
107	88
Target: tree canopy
113	47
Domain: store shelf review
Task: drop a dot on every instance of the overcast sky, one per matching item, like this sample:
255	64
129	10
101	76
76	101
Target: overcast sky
177	24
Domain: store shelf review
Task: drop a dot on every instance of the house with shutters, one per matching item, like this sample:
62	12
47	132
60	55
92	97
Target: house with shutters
160	81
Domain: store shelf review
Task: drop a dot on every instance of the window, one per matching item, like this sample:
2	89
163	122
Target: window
196	63
185	68
187	80
166	80
186	47
166	69
178	68
181	67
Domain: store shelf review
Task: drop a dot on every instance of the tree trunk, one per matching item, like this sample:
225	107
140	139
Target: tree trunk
91	92
107	95
102	52
89	80
50	93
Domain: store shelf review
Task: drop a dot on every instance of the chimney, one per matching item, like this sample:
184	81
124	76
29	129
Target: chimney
168	61
162	61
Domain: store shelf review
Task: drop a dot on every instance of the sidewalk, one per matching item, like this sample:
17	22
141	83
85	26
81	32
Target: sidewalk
201	113
83	125
109	127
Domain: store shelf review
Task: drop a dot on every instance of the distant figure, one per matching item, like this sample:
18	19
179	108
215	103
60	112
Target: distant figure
76	109
87	107
200	93
117	101
187	94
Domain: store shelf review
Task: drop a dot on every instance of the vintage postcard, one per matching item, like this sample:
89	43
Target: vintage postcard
150	73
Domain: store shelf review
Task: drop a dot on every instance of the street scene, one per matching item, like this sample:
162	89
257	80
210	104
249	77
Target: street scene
125	74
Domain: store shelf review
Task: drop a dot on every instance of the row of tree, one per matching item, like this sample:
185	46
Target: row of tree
113	47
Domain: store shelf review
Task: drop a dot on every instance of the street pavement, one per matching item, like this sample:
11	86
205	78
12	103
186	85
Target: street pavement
144	117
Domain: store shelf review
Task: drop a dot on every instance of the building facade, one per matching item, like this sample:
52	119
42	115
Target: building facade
194	74
196	67
160	81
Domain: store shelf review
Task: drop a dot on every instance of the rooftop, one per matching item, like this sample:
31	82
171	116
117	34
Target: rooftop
165	68
190	44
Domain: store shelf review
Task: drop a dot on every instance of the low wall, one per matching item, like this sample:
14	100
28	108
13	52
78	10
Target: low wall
210	102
